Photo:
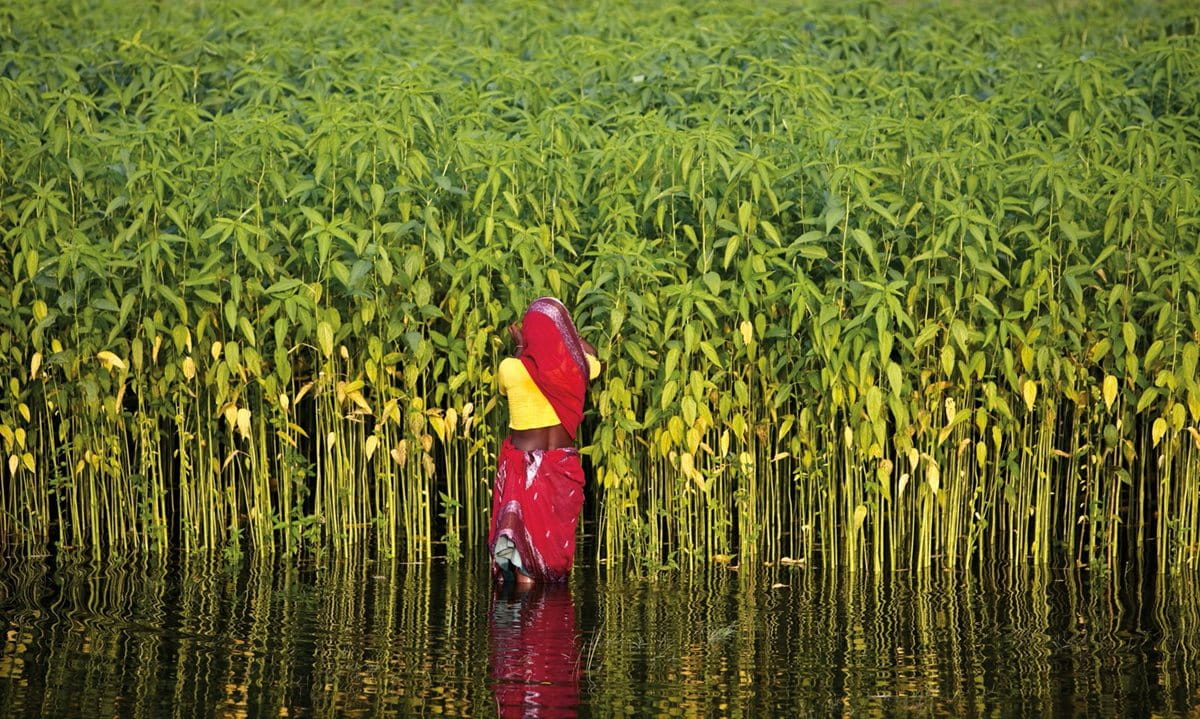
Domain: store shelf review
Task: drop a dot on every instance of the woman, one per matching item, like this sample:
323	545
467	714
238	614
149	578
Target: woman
539	480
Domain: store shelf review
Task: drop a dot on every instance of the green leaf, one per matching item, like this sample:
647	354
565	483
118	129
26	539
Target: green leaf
283	286
895	378
731	248
247	330
325	338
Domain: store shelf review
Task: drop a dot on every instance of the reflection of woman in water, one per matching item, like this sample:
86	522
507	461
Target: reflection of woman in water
535	652
539	482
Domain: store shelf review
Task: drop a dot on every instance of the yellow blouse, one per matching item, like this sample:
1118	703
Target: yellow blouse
528	408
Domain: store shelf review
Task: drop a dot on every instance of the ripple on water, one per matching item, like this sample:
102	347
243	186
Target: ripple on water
367	639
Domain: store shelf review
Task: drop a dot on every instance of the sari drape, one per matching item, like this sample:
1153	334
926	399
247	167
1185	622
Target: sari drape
535	504
553	354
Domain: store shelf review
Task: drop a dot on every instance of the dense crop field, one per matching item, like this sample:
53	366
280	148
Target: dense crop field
881	285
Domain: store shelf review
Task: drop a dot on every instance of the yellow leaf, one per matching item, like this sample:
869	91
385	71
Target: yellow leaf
391	411
687	464
13	464
215	351
903	484
303	391
243	422
27	460
24	410
189	368
884	473
1158	430
35	363
372	445
331	439
400	452
747	331
110	360
438	426
860	515
231	414
934	477
1029	391
357	398
119	401
283	401
1110	391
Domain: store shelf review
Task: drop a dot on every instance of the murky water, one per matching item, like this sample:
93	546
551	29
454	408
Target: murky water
364	639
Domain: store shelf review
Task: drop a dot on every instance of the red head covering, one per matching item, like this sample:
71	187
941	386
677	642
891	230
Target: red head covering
553	354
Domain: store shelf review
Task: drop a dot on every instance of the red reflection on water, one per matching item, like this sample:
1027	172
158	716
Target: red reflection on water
534	651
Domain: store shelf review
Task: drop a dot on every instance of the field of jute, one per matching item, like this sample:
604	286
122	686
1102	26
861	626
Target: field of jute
879	285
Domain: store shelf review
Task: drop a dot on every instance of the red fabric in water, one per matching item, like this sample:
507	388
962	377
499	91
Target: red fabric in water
536	503
553	354
535	653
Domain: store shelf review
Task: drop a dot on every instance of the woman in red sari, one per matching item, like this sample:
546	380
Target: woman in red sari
539	481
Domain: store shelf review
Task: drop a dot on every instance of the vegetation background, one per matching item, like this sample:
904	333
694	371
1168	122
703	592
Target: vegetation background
882	285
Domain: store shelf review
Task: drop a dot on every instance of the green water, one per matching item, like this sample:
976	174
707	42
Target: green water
368	639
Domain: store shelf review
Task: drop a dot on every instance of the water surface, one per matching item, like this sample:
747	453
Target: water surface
375	639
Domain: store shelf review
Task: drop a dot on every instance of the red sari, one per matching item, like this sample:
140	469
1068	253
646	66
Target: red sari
536	504
539	493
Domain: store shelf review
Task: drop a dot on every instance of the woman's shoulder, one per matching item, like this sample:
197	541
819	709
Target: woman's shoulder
511	365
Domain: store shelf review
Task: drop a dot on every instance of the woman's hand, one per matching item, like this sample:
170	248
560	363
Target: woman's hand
514	334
